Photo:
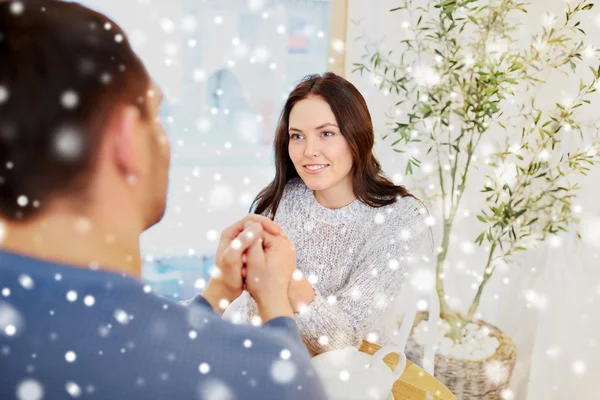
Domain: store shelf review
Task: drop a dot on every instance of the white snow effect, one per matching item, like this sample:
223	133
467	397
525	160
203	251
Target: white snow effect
426	76
26	281
579	367
204	368
121	317
2	231
30	389
212	235
553	352
200	284
423	280
70	356
372	337
283	371
196	318
344	376
69	99
215	390
507	394
73	389
103	331
537	300
4	94
11	321
22	201
496	372
256	5
71	295
17	8
285	354
68	143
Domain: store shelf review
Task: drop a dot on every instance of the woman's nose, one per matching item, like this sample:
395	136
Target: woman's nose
311	149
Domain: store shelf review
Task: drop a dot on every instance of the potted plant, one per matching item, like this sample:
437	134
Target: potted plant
461	75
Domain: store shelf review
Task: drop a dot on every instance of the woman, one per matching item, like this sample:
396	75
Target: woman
352	227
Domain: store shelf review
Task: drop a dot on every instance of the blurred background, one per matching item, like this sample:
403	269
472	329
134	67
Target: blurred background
226	68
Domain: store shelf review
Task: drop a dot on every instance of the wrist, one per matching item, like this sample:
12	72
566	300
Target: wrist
302	294
219	296
274	306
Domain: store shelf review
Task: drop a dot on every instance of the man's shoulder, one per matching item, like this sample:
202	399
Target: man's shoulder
129	343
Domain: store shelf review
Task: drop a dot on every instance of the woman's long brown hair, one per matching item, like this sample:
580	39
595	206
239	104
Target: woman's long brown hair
353	118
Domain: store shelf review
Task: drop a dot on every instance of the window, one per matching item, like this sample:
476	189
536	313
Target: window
226	68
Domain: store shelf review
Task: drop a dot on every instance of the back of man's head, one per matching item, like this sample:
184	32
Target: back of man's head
63	69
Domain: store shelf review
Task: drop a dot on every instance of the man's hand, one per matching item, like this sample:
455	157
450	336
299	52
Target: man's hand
226	283
270	264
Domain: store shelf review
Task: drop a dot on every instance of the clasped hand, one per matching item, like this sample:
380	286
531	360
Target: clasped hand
255	254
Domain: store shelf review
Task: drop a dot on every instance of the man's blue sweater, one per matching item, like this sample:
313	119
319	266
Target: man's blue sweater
68	332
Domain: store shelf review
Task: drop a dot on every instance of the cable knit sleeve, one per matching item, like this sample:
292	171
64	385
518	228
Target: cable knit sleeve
345	318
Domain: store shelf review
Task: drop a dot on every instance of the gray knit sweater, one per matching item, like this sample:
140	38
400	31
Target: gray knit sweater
355	257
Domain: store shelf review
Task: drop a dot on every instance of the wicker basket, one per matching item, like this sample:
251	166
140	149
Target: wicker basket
468	379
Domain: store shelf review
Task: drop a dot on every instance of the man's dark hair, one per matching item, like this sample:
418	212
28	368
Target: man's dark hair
63	69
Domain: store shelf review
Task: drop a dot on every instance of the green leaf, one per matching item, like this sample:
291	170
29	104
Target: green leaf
516	65
473	20
531	222
537	118
480	238
588	6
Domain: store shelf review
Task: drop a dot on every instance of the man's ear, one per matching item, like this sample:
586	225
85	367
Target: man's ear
123	131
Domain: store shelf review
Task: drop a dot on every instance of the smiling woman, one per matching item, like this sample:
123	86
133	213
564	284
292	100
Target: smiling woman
352	228
326	116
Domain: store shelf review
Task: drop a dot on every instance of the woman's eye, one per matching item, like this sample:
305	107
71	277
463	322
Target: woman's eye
328	134
295	136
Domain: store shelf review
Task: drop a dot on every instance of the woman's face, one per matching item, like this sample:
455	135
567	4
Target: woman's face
317	148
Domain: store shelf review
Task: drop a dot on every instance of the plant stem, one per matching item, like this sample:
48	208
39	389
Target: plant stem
439	279
486	276
455	321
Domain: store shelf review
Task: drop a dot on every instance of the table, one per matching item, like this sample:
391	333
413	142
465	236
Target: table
415	383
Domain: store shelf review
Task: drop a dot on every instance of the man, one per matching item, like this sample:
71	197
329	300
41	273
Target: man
83	172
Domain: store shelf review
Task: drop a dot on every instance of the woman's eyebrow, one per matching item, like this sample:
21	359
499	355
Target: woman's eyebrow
317	128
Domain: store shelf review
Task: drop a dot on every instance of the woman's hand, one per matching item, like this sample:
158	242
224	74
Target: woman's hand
301	293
